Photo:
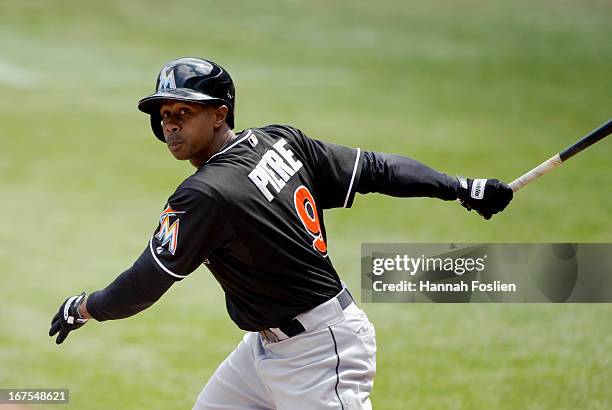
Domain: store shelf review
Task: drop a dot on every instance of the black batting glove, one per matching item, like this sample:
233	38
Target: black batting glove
486	196
68	318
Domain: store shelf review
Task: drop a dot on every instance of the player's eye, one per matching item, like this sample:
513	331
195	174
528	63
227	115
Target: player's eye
165	114
184	111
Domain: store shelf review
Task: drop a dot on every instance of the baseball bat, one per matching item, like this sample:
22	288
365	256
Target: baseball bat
558	159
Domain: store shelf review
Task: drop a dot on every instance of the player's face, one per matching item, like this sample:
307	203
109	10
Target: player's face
189	130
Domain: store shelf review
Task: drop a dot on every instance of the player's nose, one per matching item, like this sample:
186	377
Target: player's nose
171	127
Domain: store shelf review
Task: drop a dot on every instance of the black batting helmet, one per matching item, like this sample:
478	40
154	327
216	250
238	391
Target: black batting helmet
190	79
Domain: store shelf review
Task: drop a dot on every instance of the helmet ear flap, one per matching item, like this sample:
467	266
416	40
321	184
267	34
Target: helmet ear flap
156	126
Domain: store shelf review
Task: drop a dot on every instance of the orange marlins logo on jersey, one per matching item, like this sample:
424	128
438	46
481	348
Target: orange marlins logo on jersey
168	234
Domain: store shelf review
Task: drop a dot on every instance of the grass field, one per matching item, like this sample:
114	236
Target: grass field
485	89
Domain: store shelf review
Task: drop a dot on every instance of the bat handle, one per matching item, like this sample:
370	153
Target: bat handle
544	167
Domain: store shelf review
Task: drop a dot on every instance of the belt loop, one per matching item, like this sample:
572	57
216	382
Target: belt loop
269	335
295	327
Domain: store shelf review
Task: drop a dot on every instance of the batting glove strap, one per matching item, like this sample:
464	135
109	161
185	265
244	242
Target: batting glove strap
67	318
486	196
73	315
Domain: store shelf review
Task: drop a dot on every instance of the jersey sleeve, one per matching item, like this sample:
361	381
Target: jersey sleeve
133	291
335	169
191	226
400	176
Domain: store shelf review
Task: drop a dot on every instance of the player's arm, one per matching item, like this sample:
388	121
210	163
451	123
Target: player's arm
191	227
136	289
131	292
400	176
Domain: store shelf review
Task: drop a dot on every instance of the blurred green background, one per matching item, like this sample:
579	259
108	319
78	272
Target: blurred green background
481	88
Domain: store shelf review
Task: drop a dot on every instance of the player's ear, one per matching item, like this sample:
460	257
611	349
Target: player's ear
220	115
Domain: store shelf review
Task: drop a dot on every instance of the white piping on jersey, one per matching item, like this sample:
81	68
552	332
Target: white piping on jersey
168	271
160	264
248	134
348	194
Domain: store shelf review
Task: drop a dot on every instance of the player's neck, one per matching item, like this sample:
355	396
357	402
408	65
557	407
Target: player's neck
221	141
228	139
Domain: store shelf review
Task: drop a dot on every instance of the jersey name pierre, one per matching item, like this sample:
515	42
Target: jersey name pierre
276	167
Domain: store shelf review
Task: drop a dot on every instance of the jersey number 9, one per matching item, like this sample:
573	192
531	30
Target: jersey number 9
307	212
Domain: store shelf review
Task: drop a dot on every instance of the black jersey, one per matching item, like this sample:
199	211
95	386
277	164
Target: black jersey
253	214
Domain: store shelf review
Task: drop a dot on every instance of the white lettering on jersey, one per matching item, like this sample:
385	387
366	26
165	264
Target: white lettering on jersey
287	154
275	168
278	165
275	181
261	178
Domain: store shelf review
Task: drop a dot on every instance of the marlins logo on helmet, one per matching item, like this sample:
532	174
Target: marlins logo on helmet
166	80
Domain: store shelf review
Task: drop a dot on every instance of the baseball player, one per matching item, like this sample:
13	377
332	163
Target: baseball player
253	214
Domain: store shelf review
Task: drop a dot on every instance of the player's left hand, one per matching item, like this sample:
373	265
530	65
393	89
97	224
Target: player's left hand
68	318
486	196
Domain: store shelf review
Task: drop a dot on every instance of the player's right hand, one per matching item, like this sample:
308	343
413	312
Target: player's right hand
486	196
68	318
